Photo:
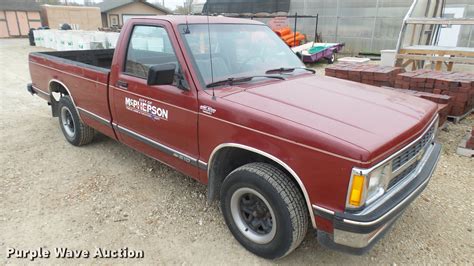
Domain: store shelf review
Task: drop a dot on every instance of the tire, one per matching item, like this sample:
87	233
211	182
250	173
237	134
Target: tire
270	233
331	59
75	132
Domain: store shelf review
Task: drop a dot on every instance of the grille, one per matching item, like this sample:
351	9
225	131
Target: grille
403	174
412	151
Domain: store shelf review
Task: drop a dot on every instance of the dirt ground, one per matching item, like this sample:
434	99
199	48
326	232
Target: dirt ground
107	195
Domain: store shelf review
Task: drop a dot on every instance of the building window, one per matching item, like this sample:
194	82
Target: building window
114	20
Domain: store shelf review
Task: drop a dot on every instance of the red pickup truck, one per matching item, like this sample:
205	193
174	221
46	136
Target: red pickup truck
226	102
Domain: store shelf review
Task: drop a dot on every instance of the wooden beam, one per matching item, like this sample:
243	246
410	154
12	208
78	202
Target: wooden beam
441	21
468	52
469	60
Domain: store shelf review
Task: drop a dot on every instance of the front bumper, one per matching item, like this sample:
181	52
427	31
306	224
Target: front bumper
357	232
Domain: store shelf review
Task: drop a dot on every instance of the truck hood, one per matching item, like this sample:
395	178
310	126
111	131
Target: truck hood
364	117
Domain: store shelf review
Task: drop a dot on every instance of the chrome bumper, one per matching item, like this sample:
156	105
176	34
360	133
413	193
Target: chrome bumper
357	232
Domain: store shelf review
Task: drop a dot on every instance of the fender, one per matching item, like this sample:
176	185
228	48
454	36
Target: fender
269	156
54	104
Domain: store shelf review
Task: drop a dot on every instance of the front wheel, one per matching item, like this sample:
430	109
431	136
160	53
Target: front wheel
264	210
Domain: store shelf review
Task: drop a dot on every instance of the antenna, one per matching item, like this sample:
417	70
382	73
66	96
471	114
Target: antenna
210	55
187	31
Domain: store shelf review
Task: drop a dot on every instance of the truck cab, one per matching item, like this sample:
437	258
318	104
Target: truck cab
226	102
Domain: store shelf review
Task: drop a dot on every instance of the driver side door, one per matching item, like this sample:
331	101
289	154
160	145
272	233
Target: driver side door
158	120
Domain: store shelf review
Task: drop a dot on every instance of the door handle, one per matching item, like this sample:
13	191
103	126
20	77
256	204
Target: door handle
122	84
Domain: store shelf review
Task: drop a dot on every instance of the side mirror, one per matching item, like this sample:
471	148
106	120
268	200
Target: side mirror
161	74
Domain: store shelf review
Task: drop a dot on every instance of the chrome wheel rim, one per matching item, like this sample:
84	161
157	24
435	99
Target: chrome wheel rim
67	122
253	215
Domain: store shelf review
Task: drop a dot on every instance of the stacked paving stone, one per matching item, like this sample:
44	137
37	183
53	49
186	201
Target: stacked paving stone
365	73
443	101
458	85
470	141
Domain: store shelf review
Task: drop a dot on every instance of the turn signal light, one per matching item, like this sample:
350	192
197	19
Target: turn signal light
357	190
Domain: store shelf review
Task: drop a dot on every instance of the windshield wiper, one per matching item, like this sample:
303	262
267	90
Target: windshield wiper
231	81
288	70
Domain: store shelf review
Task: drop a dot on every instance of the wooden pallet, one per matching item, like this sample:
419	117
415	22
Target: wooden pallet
456	119
439	55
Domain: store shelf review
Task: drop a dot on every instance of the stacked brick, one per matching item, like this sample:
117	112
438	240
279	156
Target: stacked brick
443	101
458	85
470	141
365	73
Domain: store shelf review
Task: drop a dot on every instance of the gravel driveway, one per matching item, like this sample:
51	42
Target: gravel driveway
107	195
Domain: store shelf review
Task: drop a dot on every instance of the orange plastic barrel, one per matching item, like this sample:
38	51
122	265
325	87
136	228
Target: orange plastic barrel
299	37
283	31
288	37
291	37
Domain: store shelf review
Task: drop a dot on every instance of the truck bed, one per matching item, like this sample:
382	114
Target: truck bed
83	74
98	58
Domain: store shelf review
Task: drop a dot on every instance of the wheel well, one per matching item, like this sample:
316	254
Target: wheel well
227	159
55	86
57	90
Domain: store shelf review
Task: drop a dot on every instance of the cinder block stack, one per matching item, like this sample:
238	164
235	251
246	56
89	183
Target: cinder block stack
458	85
365	73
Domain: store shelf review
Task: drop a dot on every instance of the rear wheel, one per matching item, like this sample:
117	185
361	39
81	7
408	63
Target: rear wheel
264	210
76	132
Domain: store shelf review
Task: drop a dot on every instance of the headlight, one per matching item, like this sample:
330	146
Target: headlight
378	182
367	186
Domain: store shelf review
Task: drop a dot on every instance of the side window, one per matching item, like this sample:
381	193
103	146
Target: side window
149	46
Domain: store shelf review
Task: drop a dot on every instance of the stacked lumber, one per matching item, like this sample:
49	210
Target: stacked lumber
458	85
365	73
290	38
443	101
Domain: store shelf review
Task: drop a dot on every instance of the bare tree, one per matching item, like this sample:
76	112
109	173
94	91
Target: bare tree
182	10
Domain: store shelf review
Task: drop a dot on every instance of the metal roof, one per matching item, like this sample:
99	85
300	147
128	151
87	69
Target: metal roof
108	5
20	5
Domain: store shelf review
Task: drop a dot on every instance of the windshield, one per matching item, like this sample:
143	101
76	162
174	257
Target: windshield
238	50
